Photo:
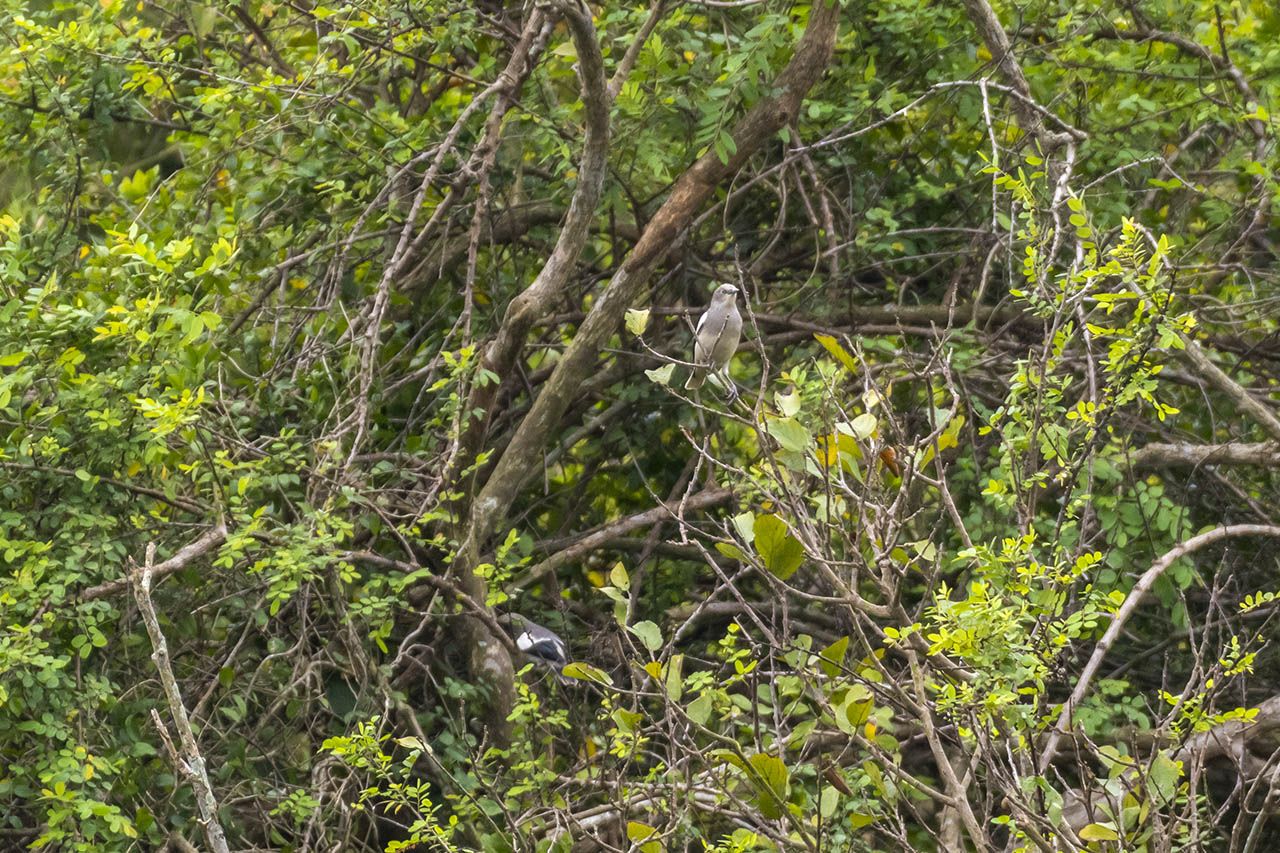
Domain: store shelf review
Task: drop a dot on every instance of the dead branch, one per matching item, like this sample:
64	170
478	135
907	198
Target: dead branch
211	539
192	763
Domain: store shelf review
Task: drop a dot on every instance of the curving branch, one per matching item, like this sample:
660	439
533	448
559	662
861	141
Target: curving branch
997	42
490	660
1131	602
537	299
606	534
1261	414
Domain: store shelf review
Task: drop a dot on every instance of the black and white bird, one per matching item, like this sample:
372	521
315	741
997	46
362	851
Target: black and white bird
541	645
716	339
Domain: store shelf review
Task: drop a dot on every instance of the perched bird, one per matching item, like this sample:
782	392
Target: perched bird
716	338
541	645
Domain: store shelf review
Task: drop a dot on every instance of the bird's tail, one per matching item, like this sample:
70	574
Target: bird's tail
695	380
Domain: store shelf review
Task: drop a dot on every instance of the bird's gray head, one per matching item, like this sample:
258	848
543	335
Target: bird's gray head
725	293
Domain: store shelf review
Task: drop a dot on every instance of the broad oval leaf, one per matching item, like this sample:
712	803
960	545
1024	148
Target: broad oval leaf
773	783
790	434
1099	832
649	634
781	552
661	375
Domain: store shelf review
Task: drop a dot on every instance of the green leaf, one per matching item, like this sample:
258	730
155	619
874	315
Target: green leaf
585	672
618	577
412	743
626	721
827	805
675	677
831	345
1164	775
832	657
699	709
13	359
637	321
649	634
1100	832
790	434
773	784
863	426
733	552
781	552
661	375
852	708
788	404
637	831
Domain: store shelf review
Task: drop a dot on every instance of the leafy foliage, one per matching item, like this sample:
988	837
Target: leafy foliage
256	263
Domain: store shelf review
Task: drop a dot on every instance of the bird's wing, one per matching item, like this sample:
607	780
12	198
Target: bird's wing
547	647
709	339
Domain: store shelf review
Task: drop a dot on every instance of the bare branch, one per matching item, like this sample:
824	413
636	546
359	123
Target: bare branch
1214	375
1264	454
192	763
997	41
211	539
607	533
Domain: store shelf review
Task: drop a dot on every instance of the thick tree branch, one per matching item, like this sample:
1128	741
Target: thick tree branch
1194	355
211	539
1263	454
536	300
490	661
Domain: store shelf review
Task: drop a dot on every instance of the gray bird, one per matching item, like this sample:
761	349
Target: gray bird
716	338
541	645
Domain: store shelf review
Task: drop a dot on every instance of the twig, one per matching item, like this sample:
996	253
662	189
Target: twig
192	763
656	10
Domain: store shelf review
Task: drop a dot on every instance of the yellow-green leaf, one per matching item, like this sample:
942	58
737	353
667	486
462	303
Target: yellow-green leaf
832	657
661	375
1099	832
831	345
790	433
637	321
649	634
585	672
781	552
